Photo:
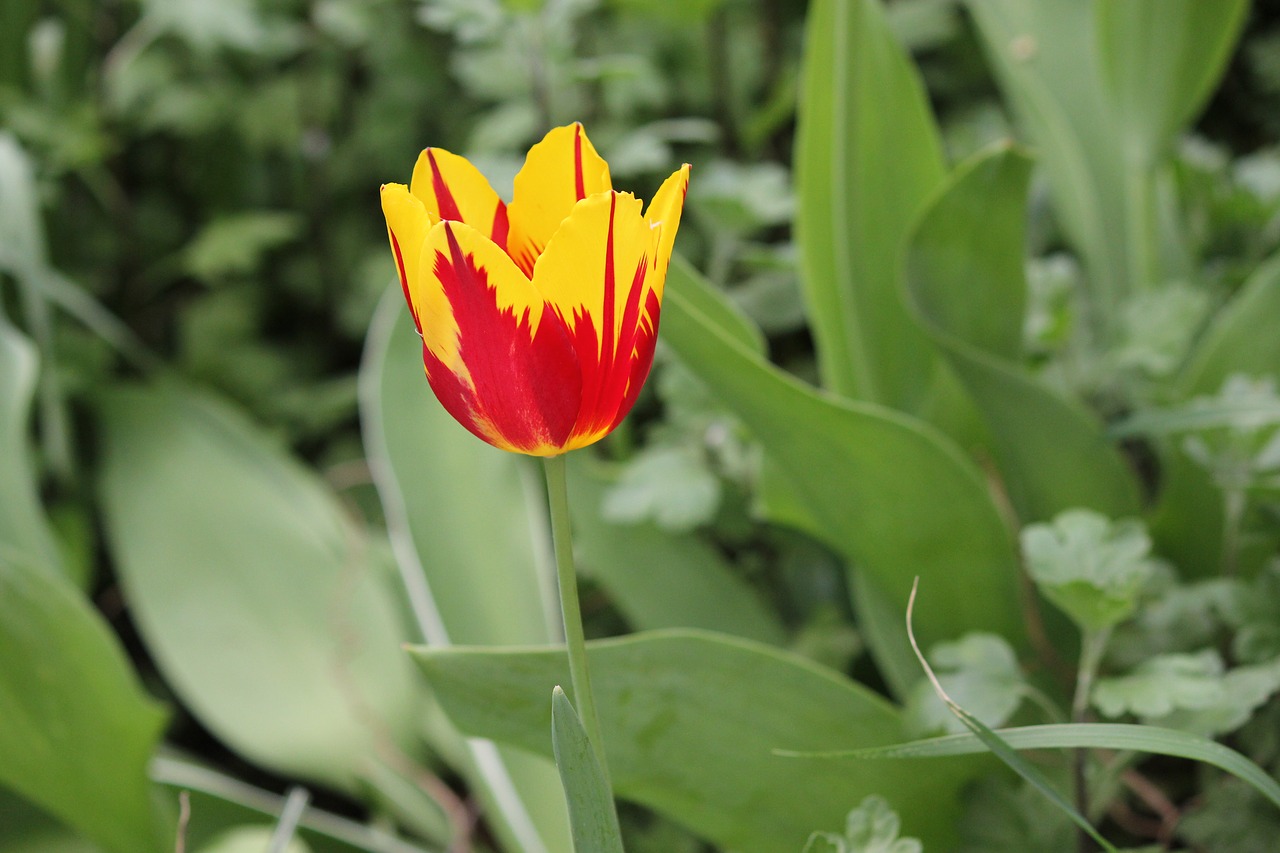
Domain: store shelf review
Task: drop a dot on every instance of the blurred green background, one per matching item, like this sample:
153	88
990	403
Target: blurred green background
192	256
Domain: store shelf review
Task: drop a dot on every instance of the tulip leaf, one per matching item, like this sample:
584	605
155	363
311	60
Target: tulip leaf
78	731
690	722
593	817
965	284
470	520
660	579
868	154
894	496
1042	54
1160	60
23	527
261	604
1241	339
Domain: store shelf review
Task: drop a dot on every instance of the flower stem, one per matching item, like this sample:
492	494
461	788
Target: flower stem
562	538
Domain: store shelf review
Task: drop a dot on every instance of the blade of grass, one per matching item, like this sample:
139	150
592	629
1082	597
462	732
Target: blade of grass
998	747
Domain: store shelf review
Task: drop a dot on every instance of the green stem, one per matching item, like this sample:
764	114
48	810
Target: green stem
1234	503
1092	644
562	538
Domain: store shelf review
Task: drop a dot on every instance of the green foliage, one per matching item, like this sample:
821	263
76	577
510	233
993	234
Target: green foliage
1089	566
954	270
592	814
980	673
872	827
690	723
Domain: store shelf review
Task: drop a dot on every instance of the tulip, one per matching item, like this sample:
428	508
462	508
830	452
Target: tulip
538	318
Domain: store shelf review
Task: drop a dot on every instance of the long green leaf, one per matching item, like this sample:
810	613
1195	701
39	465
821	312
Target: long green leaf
690	720
894	496
965	282
867	155
1152	739
1160	61
23	526
1043	54
260	602
76	729
593	817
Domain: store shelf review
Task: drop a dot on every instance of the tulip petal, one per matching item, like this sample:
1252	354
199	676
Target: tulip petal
451	188
501	364
558	172
664	215
407	225
595	274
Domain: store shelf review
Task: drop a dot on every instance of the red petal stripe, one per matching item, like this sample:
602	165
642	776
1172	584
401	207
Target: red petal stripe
404	280
522	387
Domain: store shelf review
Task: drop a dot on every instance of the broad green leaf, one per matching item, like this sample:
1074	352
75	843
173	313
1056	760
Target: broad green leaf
24	530
965	284
690	722
867	156
1160	60
264	608
26	829
890	493
659	579
593	817
1091	567
77	730
468	524
1150	739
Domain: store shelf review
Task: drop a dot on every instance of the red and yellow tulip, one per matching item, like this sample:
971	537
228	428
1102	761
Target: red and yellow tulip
538	318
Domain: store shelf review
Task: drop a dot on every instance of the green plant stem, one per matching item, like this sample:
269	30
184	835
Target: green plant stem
562	539
1233	507
1092	645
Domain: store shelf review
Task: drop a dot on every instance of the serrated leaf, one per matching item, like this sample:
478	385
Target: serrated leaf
980	673
873	827
1161	685
670	486
1089	566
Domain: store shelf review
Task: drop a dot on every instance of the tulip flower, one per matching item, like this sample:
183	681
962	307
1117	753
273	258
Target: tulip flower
538	318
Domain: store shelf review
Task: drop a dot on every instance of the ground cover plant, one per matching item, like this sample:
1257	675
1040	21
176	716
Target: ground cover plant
972	319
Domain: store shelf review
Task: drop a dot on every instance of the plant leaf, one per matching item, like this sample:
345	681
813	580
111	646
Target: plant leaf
1150	739
259	601
965	284
690	721
24	529
78	730
890	493
867	155
593	817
